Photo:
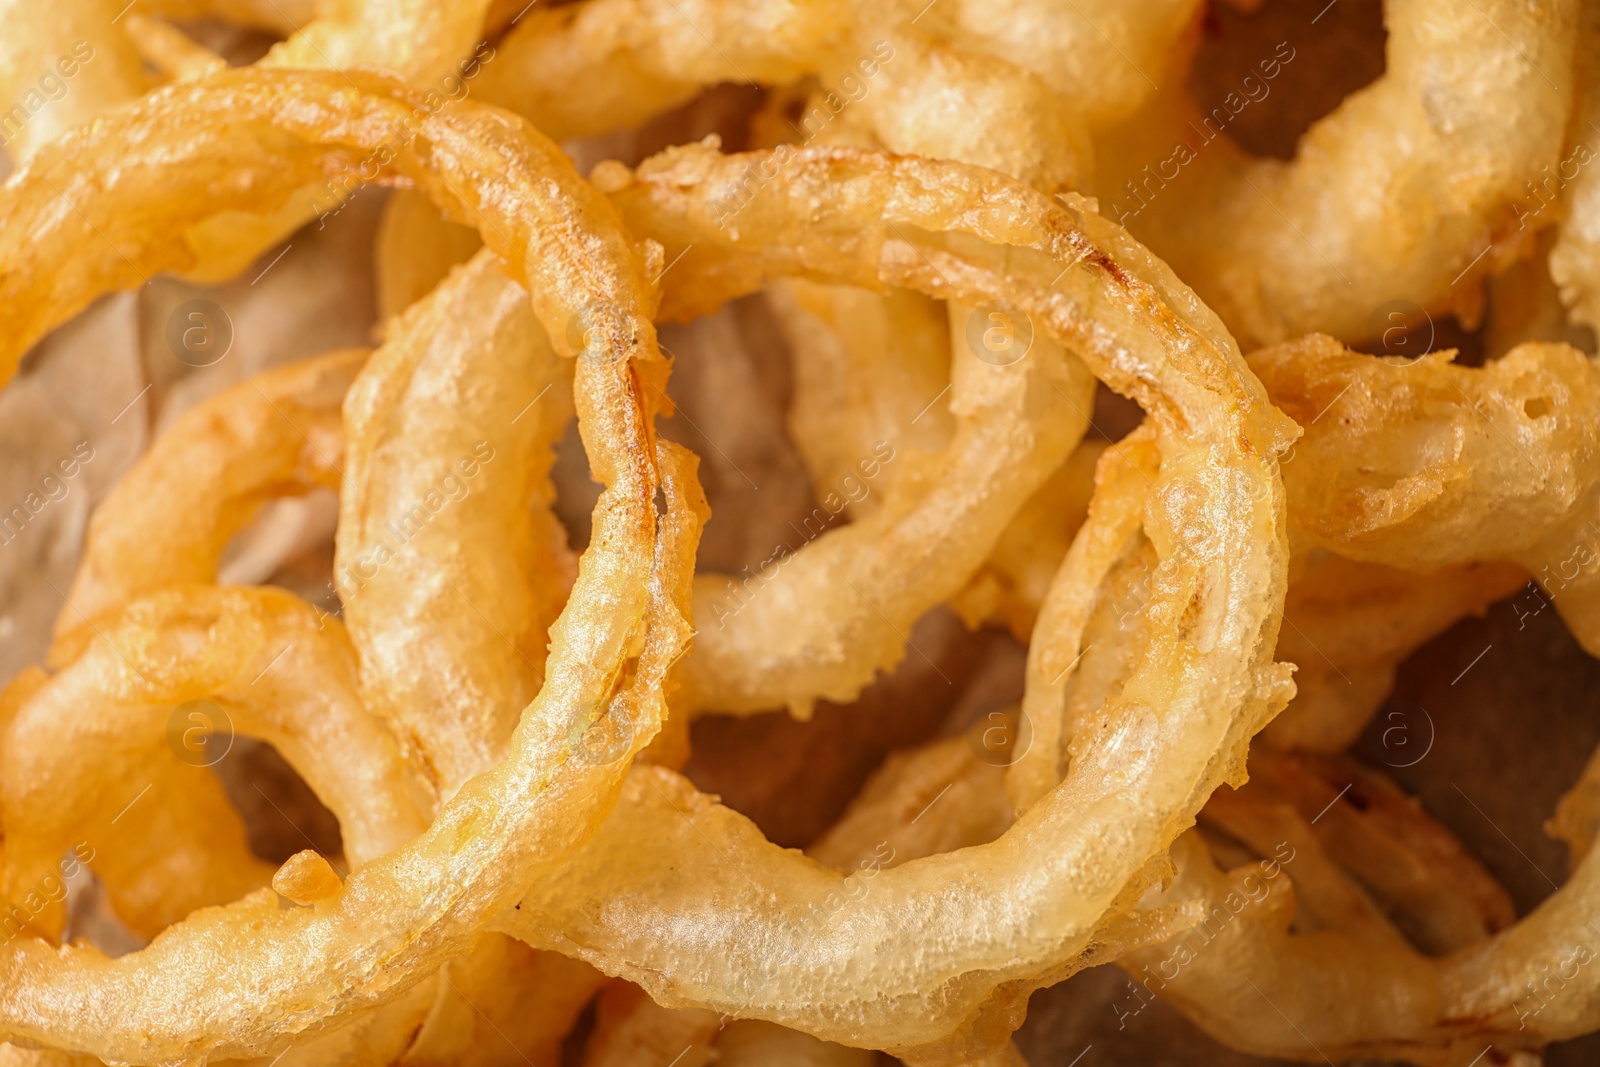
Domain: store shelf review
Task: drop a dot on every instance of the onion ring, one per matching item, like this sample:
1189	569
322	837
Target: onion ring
1102	825
276	434
933	78
1430	464
439	458
1394	1002
1406	192
860	588
277	670
588	269
253	454
1424	469
421	41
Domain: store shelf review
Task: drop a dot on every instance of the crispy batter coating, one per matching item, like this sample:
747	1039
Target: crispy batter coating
1404	196
628	601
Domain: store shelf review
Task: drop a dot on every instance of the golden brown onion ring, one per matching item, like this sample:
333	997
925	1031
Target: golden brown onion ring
1516	990
871	377
321	936
275	670
639	59
424	42
245	455
451	429
1524	987
422	903
1410	428
870	370
1428	464
277	434
1377	993
184	845
917	83
734	666
860	588
228	453
730	900
53	259
1406	195
900	75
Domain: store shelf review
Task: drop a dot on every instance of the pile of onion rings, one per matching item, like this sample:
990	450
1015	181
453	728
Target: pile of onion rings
804	562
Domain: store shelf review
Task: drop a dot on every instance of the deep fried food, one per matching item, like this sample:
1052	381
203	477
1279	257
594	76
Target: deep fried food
492	676
1429	464
276	435
588	269
1402	196
1224	527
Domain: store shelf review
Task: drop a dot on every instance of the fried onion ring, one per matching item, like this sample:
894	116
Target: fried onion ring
933	79
1408	191
1428	464
731	900
279	672
451	429
1438	464
274	435
422	903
